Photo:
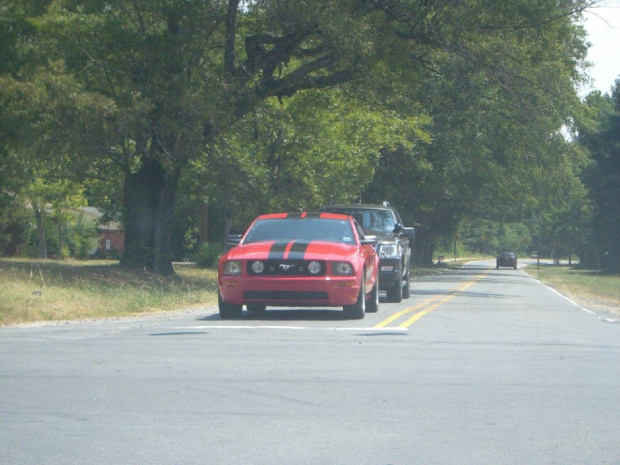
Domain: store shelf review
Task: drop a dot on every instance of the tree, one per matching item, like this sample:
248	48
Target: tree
68	200
172	93
497	103
599	134
158	84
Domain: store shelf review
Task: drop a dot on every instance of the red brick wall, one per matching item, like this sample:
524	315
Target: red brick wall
116	242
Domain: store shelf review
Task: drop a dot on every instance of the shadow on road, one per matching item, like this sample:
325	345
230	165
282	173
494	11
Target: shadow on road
285	314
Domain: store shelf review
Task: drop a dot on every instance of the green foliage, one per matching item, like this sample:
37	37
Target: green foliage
79	238
208	254
447	109
599	134
299	155
497	108
488	237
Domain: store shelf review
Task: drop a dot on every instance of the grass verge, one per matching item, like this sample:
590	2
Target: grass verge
590	289
46	290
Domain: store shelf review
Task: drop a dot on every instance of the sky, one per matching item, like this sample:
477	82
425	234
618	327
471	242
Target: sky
603	26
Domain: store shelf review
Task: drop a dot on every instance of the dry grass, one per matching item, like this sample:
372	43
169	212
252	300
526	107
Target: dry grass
590	289
46	290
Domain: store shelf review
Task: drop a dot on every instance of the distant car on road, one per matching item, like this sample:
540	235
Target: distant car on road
506	259
300	259
394	247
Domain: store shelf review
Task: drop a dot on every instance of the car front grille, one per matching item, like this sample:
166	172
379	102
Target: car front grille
275	296
286	268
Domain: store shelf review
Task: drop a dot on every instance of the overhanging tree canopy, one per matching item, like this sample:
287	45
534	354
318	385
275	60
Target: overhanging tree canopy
162	80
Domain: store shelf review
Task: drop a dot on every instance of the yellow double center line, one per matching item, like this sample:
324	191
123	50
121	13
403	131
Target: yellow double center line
429	304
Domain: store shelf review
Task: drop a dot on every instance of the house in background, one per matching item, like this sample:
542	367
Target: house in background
111	237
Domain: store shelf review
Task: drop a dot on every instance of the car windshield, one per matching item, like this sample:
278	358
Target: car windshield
303	229
371	220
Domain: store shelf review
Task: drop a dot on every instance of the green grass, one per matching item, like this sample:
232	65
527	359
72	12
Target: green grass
46	290
592	289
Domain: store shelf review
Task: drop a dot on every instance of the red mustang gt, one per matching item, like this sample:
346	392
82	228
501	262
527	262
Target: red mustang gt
300	259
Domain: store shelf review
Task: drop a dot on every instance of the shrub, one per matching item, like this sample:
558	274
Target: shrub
208	254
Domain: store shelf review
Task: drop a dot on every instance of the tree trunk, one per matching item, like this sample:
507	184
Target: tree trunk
60	240
204	221
424	248
148	215
42	243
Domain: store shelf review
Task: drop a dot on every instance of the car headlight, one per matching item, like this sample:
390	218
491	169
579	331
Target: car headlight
258	267
232	267
314	267
342	269
388	251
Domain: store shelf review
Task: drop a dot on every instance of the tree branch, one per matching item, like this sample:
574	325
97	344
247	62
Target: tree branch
231	31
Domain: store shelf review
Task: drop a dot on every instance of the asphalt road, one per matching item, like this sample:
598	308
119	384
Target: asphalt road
479	366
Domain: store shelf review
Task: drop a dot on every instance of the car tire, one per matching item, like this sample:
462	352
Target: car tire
372	304
395	293
357	311
228	311
256	308
406	291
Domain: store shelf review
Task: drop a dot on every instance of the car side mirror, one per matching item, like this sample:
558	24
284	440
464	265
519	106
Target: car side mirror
369	240
233	239
407	232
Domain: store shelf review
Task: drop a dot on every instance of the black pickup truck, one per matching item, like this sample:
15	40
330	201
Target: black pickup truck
393	248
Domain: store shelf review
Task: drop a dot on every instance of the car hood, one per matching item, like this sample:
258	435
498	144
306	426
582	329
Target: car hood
291	250
384	237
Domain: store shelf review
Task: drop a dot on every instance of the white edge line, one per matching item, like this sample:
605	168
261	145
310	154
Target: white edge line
608	320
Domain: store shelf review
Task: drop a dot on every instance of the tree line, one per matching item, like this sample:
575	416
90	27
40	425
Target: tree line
181	118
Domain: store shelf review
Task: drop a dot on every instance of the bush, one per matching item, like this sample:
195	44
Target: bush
81	238
208	254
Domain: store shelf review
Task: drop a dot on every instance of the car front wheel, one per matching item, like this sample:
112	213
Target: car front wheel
395	293
406	291
372	304
228	311
357	311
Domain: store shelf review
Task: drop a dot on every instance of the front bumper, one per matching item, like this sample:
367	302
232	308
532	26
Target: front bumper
321	291
390	271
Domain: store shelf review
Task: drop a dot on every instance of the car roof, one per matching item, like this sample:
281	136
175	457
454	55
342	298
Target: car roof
368	206
303	215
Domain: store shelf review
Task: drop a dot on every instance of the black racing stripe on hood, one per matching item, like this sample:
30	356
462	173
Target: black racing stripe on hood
294	215
298	250
276	252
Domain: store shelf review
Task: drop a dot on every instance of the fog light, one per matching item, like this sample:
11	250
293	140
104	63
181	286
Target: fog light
314	267
258	267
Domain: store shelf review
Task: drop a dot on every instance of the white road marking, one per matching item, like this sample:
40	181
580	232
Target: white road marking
295	328
608	320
